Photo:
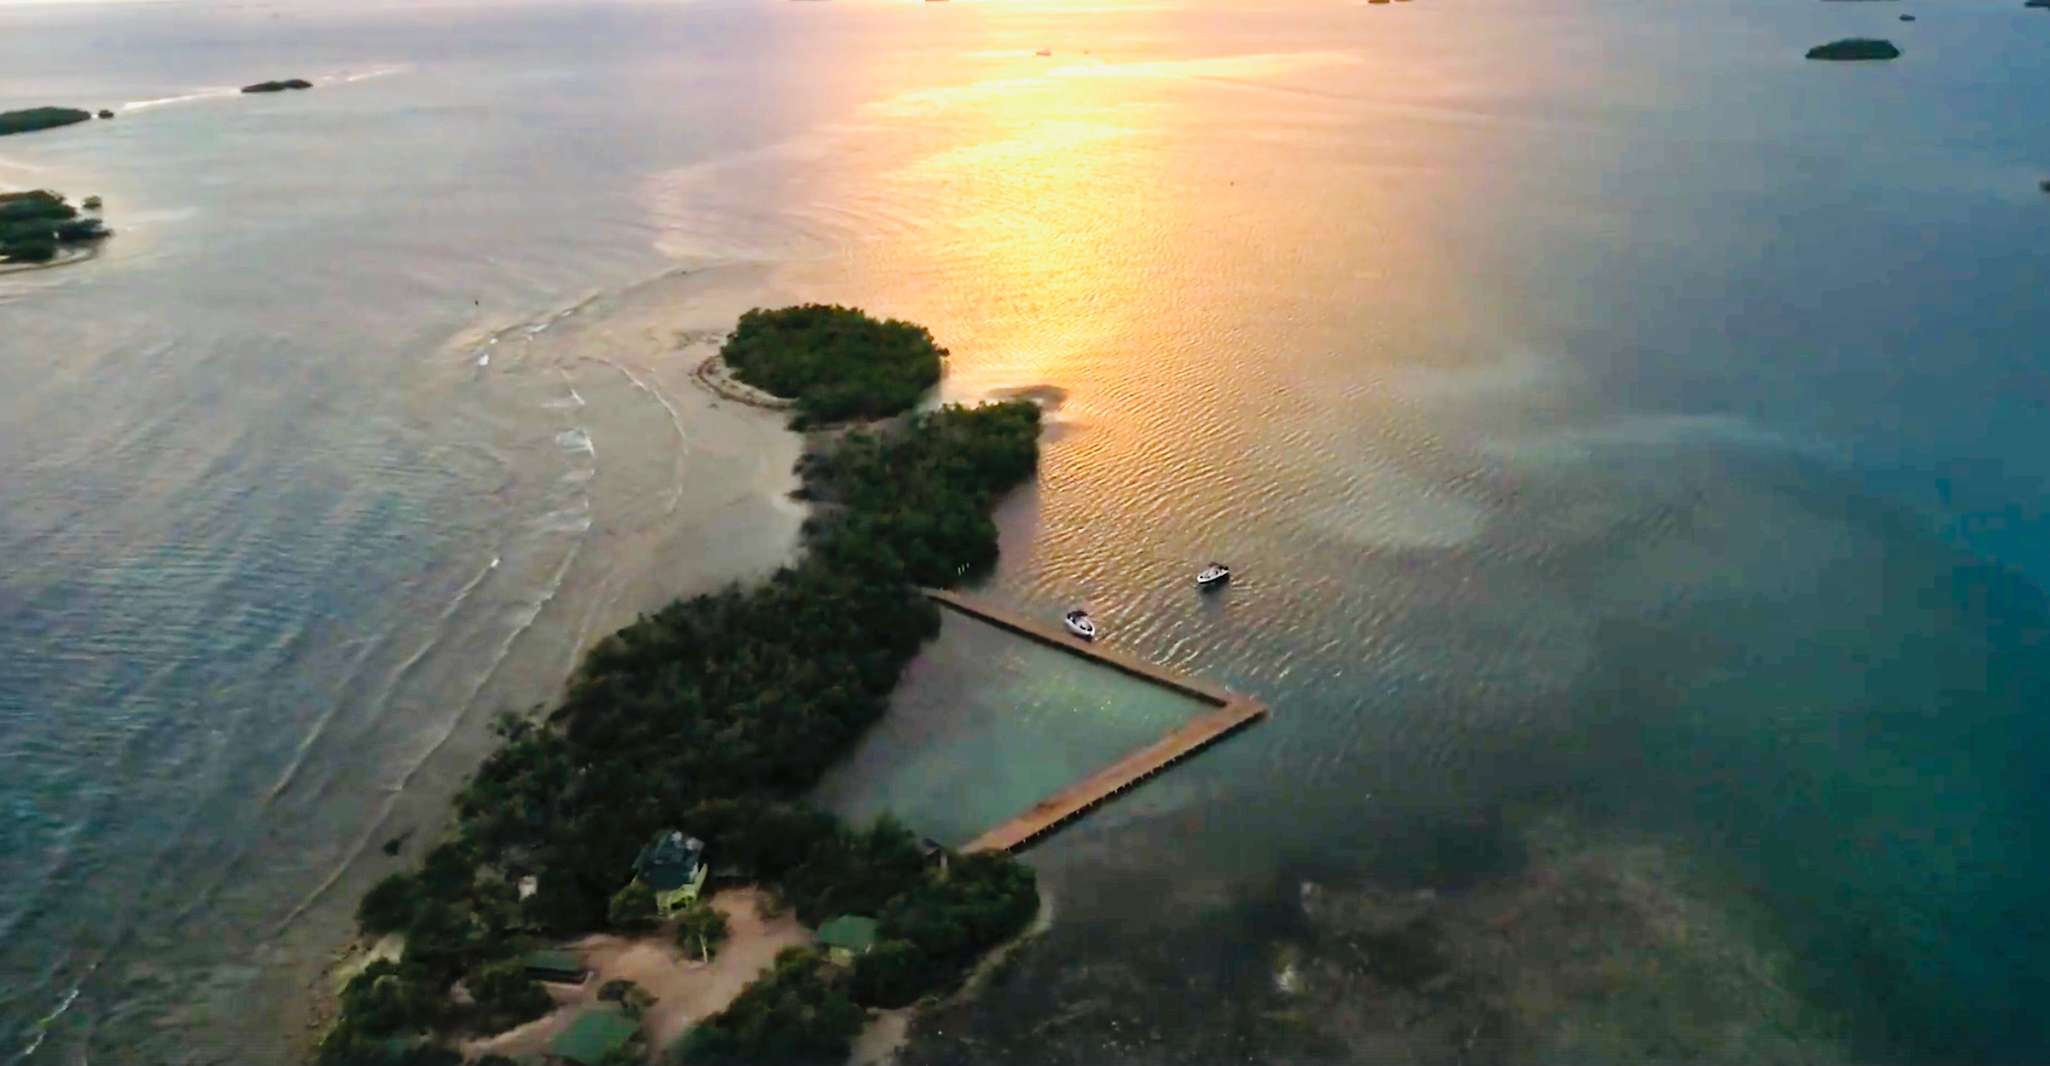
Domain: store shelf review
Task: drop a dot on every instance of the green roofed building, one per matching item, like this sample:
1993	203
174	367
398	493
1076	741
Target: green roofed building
594	1035
847	936
673	867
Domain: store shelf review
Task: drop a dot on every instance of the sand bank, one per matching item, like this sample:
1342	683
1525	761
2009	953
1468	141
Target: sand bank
674	492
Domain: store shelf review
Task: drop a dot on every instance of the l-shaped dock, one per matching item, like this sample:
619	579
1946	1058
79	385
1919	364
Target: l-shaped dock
1232	712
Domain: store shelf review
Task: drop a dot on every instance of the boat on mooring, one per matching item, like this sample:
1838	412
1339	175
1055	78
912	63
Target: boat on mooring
1212	576
1080	624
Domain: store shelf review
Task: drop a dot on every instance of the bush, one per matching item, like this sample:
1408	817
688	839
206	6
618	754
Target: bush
632	908
389	905
701	930
797	1014
836	362
29	250
631	997
893	974
389	997
506	996
39	204
985	899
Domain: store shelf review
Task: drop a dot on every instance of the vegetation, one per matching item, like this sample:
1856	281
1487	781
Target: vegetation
700	930
718	713
632	998
799	1013
836	362
35	224
505	996
40	118
1855	48
278	86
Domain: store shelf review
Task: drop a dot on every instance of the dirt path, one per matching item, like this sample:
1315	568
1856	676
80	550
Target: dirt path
684	990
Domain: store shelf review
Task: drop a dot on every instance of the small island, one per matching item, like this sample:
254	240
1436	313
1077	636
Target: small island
677	762
835	362
1855	48
36	225
278	86
32	119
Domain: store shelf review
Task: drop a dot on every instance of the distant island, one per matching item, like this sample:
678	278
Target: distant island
36	225
1855	48
40	118
682	752
278	86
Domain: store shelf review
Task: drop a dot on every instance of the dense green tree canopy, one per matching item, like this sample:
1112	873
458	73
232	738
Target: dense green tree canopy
34	224
30	119
836	362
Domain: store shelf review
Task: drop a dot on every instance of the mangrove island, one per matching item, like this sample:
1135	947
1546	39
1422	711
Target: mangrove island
1855	48
715	716
36	225
31	119
835	362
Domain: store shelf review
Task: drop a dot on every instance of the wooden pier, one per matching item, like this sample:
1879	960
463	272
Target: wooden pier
1231	712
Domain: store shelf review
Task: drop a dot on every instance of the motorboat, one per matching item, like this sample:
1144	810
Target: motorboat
1213	575
1080	624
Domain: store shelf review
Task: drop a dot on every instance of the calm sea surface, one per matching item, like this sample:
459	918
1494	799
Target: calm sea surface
1599	403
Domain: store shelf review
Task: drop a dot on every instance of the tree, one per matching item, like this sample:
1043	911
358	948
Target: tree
836	362
797	1013
701	930
632	998
506	996
632	908
389	905
892	974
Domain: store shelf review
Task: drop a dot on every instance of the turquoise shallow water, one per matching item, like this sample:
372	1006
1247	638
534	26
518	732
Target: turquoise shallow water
1600	404
992	724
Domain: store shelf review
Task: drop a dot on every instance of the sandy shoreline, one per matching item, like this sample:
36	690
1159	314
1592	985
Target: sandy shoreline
714	375
703	499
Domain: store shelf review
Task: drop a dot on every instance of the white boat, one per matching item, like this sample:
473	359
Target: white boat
1213	575
1080	624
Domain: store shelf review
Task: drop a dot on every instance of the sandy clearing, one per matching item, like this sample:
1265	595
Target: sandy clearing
684	990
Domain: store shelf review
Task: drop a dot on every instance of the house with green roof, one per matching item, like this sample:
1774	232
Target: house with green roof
847	936
592	1037
673	867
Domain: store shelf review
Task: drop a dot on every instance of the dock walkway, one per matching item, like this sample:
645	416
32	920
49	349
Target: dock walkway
1231	713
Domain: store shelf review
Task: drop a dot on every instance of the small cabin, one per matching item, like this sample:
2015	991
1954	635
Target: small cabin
848	937
595	1036
672	866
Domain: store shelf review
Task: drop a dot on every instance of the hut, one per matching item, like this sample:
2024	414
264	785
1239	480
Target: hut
847	936
594	1037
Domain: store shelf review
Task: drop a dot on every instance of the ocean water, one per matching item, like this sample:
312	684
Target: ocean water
1596	400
